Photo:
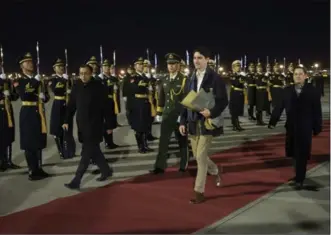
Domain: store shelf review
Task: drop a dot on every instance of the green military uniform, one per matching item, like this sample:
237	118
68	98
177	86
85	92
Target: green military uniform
171	93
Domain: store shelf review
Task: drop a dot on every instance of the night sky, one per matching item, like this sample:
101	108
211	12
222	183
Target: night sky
294	29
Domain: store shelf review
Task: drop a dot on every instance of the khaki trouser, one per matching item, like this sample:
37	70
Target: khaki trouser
200	145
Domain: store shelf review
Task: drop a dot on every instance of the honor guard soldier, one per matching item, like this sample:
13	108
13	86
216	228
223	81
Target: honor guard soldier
32	120
171	93
138	105
112	90
319	82
236	104
147	73
117	100
94	64
262	101
268	75
7	124
251	90
126	91
289	75
212	64
277	84
60	85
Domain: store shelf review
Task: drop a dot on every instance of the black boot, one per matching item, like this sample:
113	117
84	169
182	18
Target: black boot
259	121
140	145
145	143
3	164
41	172
150	137
233	122
238	127
59	145
109	142
8	158
32	162
250	113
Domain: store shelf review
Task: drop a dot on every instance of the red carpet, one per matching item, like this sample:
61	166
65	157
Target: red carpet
159	204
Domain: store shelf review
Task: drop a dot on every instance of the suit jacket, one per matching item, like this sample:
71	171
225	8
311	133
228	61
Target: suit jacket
303	118
214	83
90	101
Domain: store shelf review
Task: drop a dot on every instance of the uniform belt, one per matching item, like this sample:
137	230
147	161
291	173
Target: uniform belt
29	103
59	97
277	86
261	87
251	84
110	96
141	96
236	88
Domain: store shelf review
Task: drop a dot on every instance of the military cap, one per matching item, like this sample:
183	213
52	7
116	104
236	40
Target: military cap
58	62
112	66
182	63
172	58
276	65
139	60
251	65
236	62
211	63
26	57
259	65
268	65
147	62
92	60
106	63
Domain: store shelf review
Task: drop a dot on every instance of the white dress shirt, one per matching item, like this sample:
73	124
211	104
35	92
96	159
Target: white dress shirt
200	76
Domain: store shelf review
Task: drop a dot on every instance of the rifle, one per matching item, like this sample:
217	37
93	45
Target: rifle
6	88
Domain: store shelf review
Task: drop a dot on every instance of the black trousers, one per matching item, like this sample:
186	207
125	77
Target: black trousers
300	166
33	159
91	151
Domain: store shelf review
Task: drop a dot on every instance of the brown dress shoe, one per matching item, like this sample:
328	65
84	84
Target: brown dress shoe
198	198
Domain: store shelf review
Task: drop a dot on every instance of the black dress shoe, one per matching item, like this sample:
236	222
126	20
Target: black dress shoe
111	146
42	173
72	185
13	166
3	166
298	186
96	172
35	176
157	171
181	170
103	178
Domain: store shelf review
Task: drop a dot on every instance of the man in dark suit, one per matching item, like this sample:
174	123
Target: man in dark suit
199	133
303	118
90	100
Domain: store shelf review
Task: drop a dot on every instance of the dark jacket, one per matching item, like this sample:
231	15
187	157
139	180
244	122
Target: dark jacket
211	81
303	118
90	101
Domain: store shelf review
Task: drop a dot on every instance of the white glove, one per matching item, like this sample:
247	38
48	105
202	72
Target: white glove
178	119
6	93
284	74
42	96
266	74
65	76
124	98
101	75
37	77
115	88
158	118
3	76
68	91
242	73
